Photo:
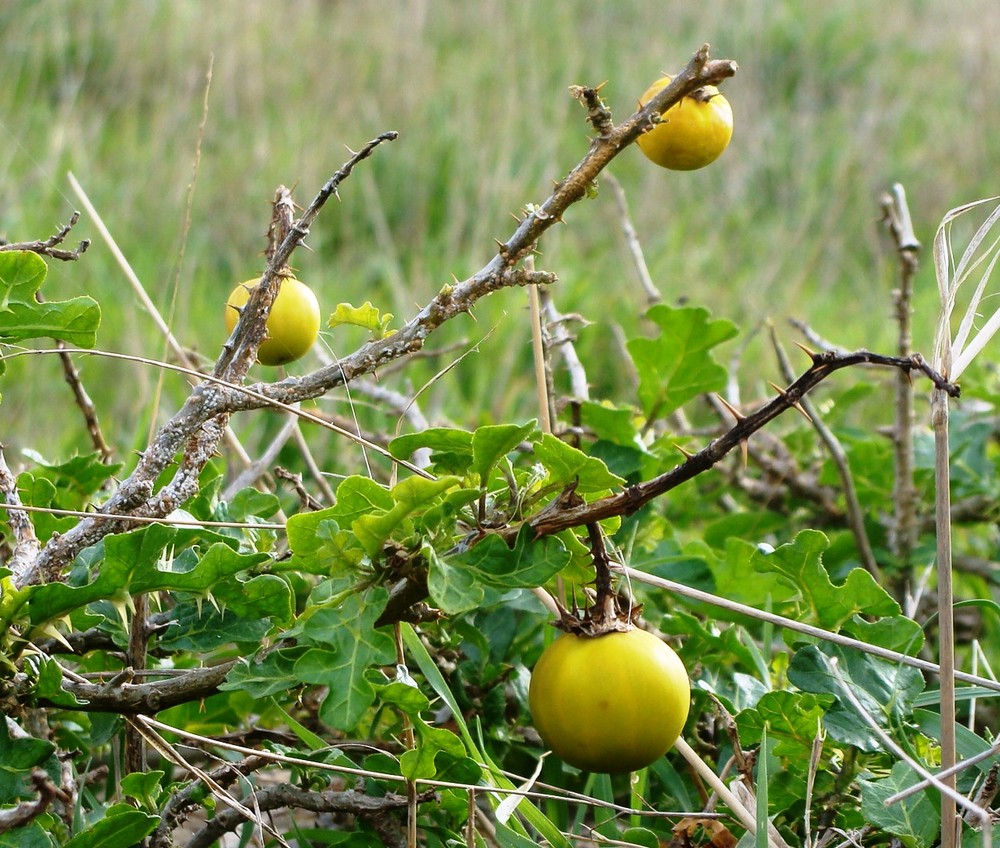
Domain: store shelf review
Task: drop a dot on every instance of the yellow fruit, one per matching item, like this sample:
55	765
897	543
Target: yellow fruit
611	703
692	133
292	326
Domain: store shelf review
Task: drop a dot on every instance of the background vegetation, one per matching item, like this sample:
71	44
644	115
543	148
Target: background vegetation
833	103
832	106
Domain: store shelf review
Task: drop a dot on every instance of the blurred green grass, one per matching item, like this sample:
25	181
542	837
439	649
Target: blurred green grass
833	103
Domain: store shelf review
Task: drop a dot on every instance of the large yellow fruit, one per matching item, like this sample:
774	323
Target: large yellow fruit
292	326
692	133
611	703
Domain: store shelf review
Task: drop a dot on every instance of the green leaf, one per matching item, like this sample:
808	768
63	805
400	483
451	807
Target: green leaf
642	836
451	449
507	838
792	720
677	365
203	628
734	576
133	565
915	820
357	496
18	756
491	563
31	836
567	464
800	563
345	644
883	689
412	495
122	827
321	541
77	479
451	586
260	678
895	632
405	697
262	597
143	786
22	317
752	526
967	743
367	317
492	443
49	684
419	763
617	424
248	504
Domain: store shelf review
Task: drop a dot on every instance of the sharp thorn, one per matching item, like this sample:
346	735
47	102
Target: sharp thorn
807	350
796	405
683	450
777	388
739	416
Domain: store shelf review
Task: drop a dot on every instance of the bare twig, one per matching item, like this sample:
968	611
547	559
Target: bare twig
946	786
140	291
285	795
26	812
632	243
562	342
904	529
181	803
138	698
541	355
744	816
50	246
307	501
920	786
135	744
26	544
946	614
86	405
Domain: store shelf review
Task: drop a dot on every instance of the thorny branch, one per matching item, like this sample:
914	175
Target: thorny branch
121	695
181	803
196	428
50	246
558	517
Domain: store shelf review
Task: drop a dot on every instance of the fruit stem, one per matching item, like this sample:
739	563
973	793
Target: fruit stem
605	615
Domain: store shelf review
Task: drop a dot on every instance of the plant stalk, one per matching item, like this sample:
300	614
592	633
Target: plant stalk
946	622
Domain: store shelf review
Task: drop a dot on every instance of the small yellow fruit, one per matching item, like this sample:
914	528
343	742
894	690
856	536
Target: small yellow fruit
611	703
692	133
292	326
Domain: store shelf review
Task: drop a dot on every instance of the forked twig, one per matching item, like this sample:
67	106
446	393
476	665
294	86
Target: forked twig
50	246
